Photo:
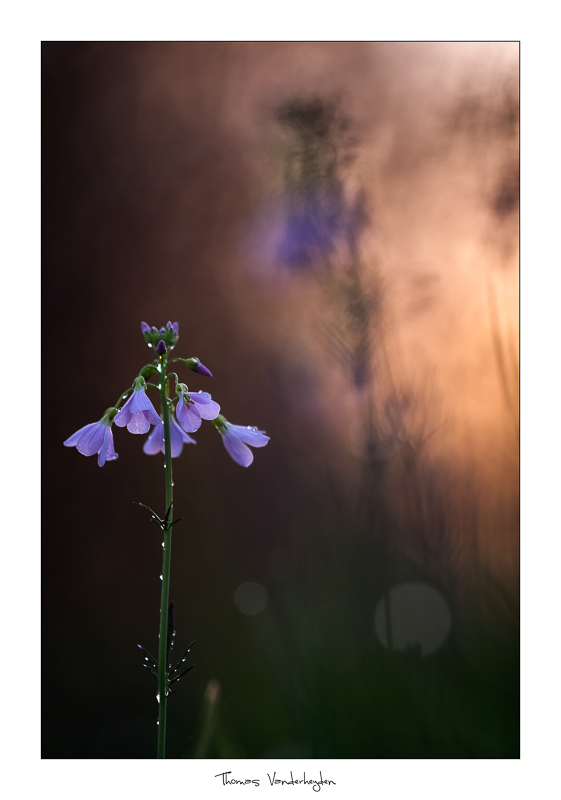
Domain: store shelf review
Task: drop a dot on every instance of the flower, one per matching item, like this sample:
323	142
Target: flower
155	442
234	437
97	437
138	413
194	406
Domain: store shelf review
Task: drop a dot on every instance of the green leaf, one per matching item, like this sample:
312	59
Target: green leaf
152	672
182	674
183	657
155	517
147	656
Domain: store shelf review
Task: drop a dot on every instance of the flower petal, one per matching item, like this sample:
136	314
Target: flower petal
249	435
206	406
138	423
72	441
200	397
186	438
176	440
209	410
155	442
102	455
92	440
140	402
188	416
111	454
241	454
124	414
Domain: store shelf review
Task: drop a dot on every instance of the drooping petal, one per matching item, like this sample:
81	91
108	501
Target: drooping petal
185	436
177	440
206	407
138	423
140	402
188	416
111	454
200	397
124	414
102	453
155	442
72	441
249	435
92	440
241	454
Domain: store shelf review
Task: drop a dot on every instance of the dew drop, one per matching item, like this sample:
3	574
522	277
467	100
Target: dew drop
161	577
157	722
172	483
149	345
164	545
147	659
158	697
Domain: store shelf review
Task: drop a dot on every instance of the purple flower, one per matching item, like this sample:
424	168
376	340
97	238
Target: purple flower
237	437
155	442
95	438
138	413
194	406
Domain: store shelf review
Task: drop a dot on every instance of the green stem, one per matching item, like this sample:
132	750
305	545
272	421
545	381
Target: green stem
163	655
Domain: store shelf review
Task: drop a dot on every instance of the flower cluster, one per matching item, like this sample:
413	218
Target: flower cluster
138	413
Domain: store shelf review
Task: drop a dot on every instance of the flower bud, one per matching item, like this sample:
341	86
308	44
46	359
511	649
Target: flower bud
147	371
161	348
167	335
195	365
145	331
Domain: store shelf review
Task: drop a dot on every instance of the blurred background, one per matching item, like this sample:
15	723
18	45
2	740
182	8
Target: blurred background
334	226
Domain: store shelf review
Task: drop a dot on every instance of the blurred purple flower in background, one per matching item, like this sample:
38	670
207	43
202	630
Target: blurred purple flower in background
138	413
234	437
97	437
155	442
197	407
